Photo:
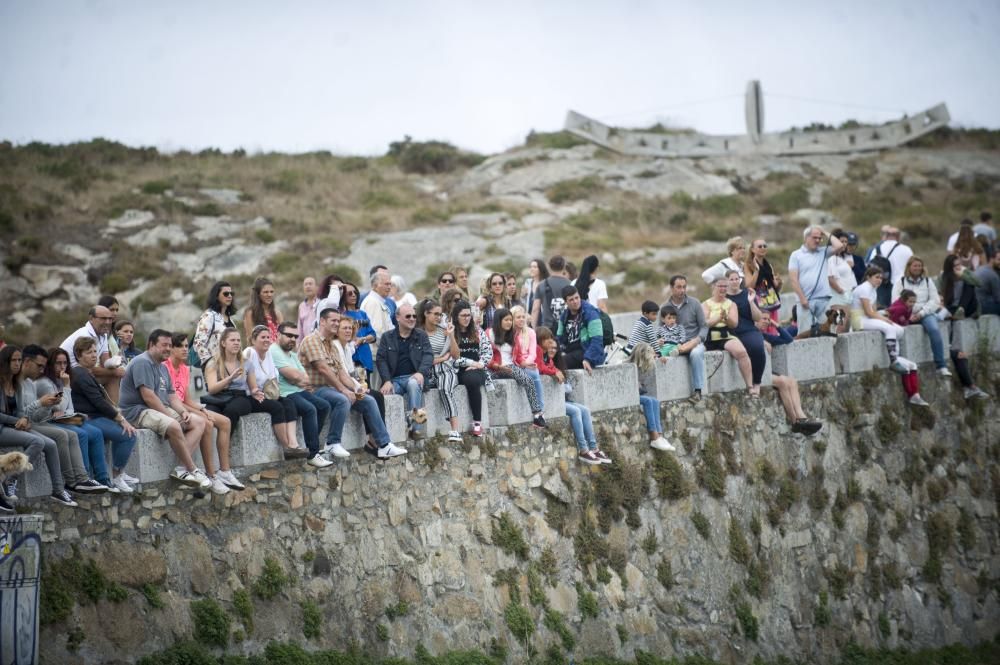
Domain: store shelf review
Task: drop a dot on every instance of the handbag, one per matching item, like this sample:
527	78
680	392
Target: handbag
220	399
768	299
271	389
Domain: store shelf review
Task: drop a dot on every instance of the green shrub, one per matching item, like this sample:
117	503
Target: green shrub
555	622
211	623
373	199
519	620
650	542
352	164
243	607
151	592
506	535
739	548
400	609
586	602
748	622
710	232
721	206
553	140
789	199
430	156
822	614
312	619
574	190
701	524
710	472
115	282
286	182
271	581
155	186
182	653
665	574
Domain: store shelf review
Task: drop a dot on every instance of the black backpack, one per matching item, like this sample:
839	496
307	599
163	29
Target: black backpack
608	329
883	262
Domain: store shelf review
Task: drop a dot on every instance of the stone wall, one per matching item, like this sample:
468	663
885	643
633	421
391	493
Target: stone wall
749	540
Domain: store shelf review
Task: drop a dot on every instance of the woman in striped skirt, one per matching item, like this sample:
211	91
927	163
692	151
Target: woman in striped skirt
445	377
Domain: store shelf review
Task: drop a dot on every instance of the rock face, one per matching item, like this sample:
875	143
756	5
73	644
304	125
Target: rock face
755	531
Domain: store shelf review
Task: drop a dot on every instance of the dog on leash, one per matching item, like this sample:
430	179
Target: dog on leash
13	464
835	318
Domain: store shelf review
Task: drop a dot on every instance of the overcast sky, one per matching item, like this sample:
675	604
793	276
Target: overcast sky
352	76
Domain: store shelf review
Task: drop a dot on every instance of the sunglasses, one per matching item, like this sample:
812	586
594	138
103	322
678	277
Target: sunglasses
447	281
497	283
761	247
409	316
226	294
289	336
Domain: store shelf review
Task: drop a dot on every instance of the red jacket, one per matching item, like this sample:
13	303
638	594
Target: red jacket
544	367
899	313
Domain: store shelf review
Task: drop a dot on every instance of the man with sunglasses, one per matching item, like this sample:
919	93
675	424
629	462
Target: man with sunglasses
98	328
403	362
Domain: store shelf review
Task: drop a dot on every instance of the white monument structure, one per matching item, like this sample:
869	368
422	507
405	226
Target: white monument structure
755	141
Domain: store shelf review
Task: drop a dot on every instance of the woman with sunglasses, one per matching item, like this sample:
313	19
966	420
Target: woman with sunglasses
445	378
494	299
217	317
364	336
445	281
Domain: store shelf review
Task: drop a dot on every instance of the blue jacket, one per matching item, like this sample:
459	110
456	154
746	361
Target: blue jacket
591	333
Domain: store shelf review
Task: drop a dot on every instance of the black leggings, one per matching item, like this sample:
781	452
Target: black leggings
473	380
281	410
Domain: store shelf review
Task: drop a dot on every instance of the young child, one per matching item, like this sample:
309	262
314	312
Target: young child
671	334
901	311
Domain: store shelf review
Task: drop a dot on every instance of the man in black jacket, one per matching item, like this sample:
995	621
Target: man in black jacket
403	362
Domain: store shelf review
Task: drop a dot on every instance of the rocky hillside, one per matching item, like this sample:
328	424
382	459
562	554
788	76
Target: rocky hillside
156	229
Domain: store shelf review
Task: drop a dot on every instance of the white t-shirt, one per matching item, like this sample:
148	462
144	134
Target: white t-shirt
843	272
899	256
952	240
262	369
864	290
598	291
506	355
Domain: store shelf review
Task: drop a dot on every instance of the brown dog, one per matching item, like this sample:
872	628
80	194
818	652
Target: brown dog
834	319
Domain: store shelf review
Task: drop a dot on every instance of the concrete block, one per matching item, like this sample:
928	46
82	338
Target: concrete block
965	335
915	345
860	352
608	387
989	329
437	422
508	404
805	359
152	458
395	418
253	443
36	482
722	373
624	321
669	380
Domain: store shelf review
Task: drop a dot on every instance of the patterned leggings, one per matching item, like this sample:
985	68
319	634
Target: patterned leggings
522	379
447	380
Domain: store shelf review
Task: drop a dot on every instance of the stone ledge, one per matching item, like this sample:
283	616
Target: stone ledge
722	373
805	359
608	387
508	404
670	379
860	352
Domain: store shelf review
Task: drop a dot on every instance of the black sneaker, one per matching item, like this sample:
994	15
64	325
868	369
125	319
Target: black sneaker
64	498
588	457
89	486
695	397
9	487
5	505
539	422
599	454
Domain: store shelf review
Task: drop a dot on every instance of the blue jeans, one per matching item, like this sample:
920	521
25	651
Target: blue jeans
583	426
412	392
92	450
340	406
697	358
817	310
121	443
314	411
368	408
651	409
536	378
930	324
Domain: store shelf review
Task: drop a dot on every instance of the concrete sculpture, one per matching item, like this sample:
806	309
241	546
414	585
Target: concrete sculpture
755	141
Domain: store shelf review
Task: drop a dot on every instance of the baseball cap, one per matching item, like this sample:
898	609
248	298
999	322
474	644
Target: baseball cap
852	238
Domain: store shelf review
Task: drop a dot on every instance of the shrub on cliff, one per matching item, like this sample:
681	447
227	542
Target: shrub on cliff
427	157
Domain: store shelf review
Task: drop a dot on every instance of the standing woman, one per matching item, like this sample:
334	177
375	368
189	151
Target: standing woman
511	289
503	367
329	298
442	339
537	271
262	383
967	249
842	280
262	311
364	334
494	299
446	280
746	328
762	280
472	351
124	332
180	377
461	283
91	399
737	250
592	289
721	318
217	317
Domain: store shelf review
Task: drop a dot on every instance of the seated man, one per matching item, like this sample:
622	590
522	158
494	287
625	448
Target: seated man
644	329
148	401
580	332
403	361
98	328
326	370
293	383
691	317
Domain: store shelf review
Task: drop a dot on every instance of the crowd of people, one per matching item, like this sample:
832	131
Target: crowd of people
345	349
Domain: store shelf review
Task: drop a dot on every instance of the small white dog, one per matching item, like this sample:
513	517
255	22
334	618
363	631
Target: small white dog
13	464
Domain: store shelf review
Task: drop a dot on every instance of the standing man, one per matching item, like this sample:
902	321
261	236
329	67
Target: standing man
404	362
98	328
293	383
988	291
377	306
897	254
580	332
808	271
307	308
548	304
691	317
149	402
859	262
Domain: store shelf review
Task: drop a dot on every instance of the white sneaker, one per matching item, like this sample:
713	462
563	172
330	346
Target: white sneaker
129	479
219	487
454	437
194	478
661	444
230	479
391	450
337	450
118	483
917	400
943	371
319	462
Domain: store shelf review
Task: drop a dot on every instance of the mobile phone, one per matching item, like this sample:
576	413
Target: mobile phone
59	394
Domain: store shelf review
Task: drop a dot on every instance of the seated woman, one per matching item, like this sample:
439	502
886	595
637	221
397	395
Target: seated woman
262	311
721	318
495	298
645	361
551	363
472	351
445	378
958	289
262	381
746	328
180	379
124	331
865	299
503	367
926	310
526	348
230	391
364	335
737	250
344	344
55	380
448	300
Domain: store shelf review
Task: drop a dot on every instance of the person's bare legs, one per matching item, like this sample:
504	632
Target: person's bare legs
736	349
184	442
788	392
223	434
113	387
292	434
281	434
206	452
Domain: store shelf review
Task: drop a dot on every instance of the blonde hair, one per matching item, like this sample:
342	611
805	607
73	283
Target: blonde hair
220	353
734	243
644	357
